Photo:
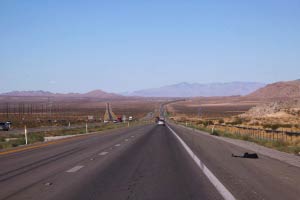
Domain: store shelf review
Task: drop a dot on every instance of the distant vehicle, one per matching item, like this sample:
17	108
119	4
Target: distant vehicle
5	126
115	121
105	121
161	122
130	118
120	119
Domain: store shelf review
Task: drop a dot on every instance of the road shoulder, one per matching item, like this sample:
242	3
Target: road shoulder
287	158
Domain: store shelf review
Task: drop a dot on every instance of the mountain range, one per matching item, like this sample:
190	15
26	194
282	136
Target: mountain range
287	89
196	90
41	93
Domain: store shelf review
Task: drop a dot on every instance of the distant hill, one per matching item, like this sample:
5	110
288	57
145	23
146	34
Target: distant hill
101	94
278	90
28	93
197	90
41	93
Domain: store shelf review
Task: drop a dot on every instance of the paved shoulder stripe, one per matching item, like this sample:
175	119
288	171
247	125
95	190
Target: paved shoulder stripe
75	169
103	153
212	178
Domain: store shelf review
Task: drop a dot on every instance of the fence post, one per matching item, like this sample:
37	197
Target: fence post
25	132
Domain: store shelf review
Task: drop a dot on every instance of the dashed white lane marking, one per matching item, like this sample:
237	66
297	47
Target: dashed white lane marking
126	140
132	136
226	194
103	153
117	145
75	169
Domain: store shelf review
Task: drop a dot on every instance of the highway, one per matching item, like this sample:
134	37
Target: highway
144	162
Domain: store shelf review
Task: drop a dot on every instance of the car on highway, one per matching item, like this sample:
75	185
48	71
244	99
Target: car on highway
5	126
161	123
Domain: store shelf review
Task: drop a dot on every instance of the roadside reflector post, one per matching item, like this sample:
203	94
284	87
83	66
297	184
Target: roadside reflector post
25	132
69	124
128	124
86	128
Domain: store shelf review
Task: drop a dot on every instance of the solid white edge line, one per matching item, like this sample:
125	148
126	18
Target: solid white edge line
226	194
75	169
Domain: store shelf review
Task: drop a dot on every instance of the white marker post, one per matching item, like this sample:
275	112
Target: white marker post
86	128
25	131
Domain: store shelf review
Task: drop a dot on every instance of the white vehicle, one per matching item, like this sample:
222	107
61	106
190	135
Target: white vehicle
161	122
130	118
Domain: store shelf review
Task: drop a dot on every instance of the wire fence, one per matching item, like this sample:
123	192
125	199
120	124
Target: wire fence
258	133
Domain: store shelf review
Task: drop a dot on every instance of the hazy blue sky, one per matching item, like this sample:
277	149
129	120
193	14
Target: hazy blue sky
77	46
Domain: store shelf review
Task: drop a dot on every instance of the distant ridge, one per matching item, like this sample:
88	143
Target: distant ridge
185	89
281	90
29	93
102	94
41	93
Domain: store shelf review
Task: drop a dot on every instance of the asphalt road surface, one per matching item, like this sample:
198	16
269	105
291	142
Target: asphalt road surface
145	162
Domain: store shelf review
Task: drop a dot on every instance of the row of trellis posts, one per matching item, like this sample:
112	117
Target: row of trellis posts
257	133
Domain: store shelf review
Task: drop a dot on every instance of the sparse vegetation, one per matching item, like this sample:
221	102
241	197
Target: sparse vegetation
276	126
221	121
236	121
271	126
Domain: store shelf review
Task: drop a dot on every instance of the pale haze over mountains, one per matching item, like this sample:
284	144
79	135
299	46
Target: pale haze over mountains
177	90
195	89
287	89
